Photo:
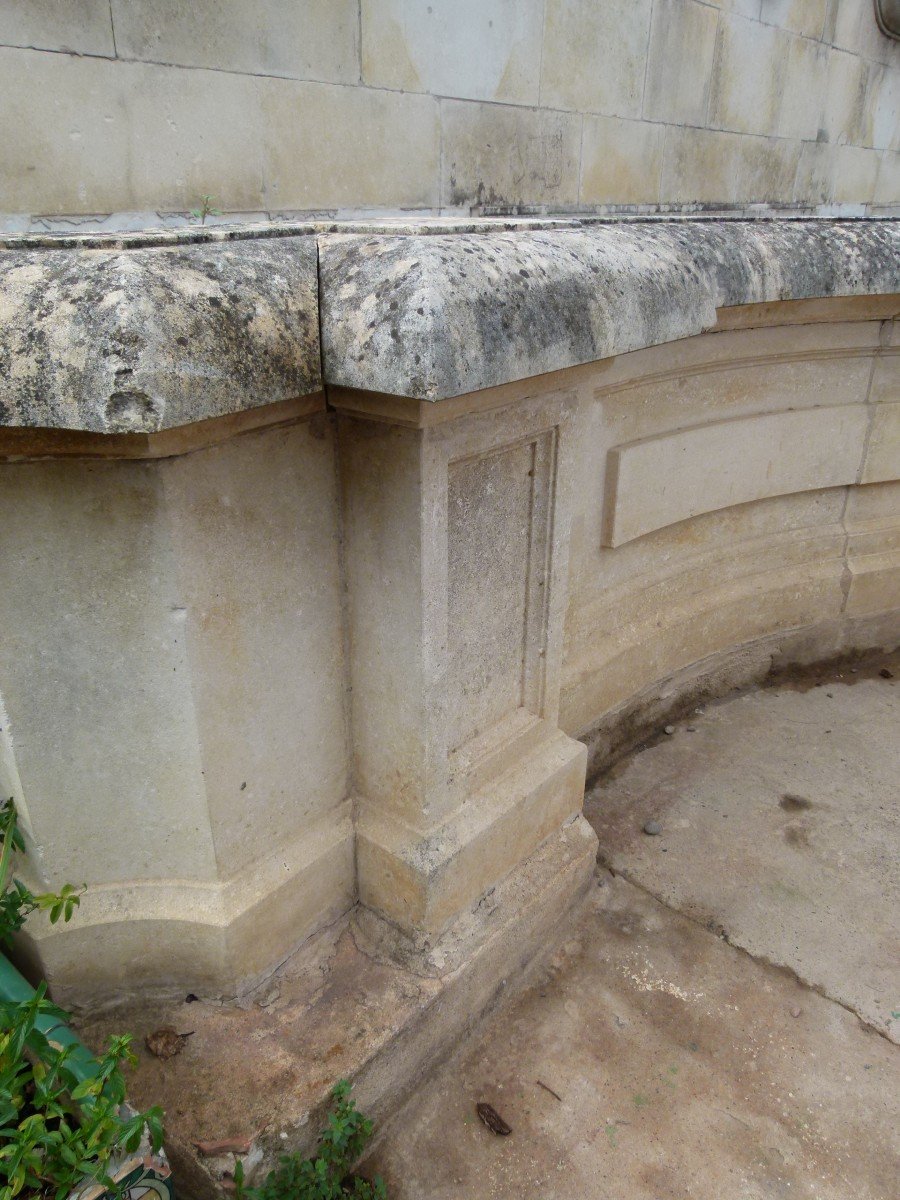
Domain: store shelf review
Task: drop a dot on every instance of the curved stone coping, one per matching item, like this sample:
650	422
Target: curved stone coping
435	317
136	341
160	330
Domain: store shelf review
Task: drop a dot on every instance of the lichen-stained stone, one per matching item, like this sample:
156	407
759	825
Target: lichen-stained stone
440	315
114	341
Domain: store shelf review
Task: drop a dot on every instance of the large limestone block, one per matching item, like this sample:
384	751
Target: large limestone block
82	26
438	315
750	76
621	161
106	136
389	147
682	31
174	707
302	39
470	49
595	55
503	155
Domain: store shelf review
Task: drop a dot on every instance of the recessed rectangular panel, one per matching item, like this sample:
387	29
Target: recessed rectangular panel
497	521
658	481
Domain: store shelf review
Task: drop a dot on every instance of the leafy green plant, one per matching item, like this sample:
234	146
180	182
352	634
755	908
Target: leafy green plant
328	1175
60	1126
205	210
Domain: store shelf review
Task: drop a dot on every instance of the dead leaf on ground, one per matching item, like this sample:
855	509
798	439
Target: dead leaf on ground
492	1119
165	1043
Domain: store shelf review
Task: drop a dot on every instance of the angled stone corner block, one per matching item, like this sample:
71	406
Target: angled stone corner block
143	339
173	680
455	550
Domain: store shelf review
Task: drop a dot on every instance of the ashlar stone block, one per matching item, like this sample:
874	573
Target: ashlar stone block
455	550
470	49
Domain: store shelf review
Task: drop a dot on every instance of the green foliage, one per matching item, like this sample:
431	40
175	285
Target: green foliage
205	210
58	1129
327	1176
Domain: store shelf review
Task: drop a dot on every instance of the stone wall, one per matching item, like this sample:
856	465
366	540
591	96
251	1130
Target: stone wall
120	107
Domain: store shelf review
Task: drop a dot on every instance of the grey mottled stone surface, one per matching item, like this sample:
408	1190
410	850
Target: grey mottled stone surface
150	332
139	340
440	315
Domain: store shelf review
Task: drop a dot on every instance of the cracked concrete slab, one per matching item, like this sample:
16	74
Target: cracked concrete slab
679	1071
663	1051
780	829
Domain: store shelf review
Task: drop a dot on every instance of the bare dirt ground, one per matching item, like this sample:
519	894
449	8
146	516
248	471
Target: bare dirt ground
721	1022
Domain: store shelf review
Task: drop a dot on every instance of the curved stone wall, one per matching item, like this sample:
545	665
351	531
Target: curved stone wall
738	507
327	630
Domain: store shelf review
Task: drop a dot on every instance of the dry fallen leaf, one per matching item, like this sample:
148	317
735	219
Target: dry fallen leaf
224	1146
492	1119
165	1043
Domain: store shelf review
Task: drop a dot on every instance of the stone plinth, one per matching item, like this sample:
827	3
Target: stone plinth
322	545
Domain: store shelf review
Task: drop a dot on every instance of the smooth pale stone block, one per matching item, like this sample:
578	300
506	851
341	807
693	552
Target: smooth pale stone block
665	479
750	75
883	451
376	166
96	675
800	113
885	387
497	154
261	597
595	55
851	25
767	168
683	32
883	105
806	17
887	185
303	39
621	161
715	624
844	115
470	49
83	26
744	8
702	165
110	136
855	174
127	940
814	182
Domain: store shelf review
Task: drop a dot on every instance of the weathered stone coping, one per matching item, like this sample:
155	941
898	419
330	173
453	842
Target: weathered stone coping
139	333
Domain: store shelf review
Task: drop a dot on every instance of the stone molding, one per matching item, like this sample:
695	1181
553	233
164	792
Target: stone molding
138	334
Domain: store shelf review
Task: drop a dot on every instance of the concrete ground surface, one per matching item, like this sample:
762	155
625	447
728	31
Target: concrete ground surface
719	1023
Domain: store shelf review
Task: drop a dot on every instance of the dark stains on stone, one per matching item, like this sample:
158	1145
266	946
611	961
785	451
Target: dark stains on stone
485	309
148	339
157	336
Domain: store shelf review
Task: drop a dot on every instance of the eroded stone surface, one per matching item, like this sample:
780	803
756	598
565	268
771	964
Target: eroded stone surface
116	341
146	332
439	316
